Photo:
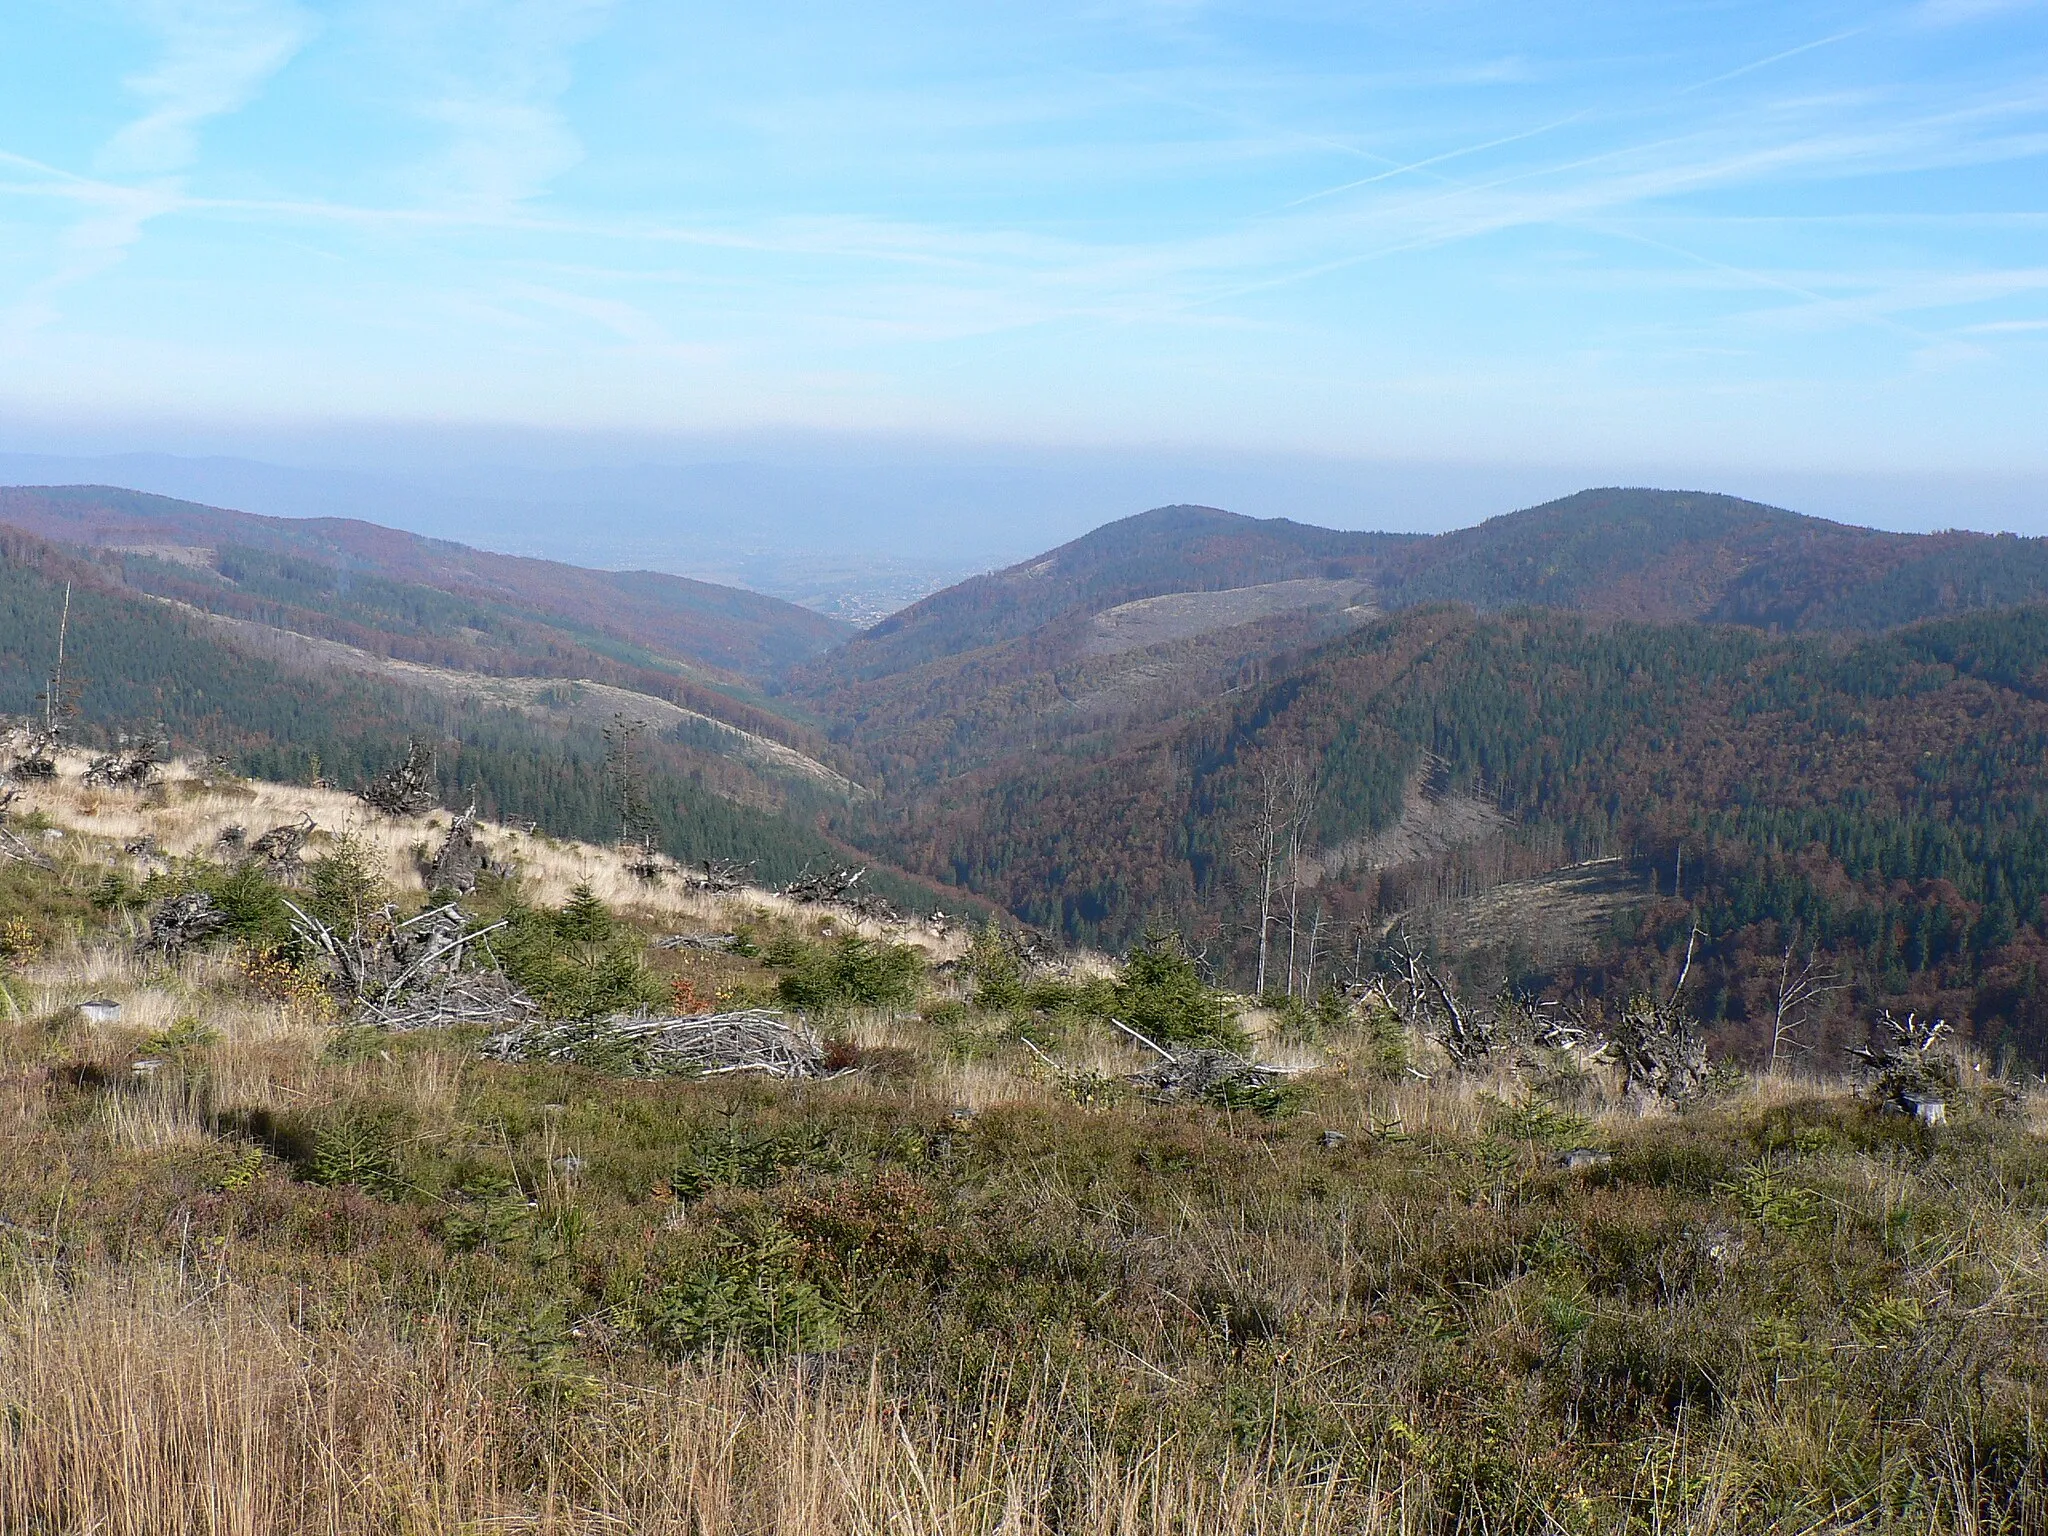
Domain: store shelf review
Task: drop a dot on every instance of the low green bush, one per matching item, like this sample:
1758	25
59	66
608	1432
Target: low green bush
851	972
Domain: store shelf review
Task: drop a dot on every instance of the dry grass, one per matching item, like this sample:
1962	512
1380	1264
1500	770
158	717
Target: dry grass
168	1404
186	820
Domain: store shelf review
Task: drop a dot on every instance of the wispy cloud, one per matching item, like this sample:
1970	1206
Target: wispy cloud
215	55
491	75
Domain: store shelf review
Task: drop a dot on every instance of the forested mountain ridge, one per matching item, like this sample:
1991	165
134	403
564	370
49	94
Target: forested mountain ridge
136	662
1664	555
1624	552
1149	616
1168	549
728	635
1875	801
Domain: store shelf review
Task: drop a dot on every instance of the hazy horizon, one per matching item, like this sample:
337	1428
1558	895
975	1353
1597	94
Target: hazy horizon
1277	256
862	527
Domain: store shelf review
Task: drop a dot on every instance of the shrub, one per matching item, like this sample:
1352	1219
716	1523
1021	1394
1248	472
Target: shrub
852	973
995	969
1162	996
343	883
747	1293
576	962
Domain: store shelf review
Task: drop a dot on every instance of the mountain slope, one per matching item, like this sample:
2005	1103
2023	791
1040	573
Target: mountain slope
1878	800
1664	555
1169	549
1154	614
138	661
729	634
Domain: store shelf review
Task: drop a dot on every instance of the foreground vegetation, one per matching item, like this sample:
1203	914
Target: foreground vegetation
264	1272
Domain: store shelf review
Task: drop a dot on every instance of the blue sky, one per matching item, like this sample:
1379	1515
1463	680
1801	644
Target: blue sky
1803	236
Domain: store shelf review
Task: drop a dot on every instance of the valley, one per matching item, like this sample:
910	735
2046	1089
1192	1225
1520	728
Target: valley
1783	733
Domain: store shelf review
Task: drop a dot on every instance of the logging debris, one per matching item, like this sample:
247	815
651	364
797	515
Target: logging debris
38	758
717	943
755	1040
408	788
281	846
462	858
1206	1073
420	973
133	763
182	921
1662	1053
1909	1066
837	887
719	875
12	845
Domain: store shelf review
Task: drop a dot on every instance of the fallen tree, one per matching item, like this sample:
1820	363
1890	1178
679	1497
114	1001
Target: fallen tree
755	1040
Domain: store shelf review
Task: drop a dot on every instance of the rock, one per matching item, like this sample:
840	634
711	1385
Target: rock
1330	1141
1579	1159
100	1010
1924	1107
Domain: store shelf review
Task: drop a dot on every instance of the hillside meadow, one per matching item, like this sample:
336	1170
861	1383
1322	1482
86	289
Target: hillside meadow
263	1271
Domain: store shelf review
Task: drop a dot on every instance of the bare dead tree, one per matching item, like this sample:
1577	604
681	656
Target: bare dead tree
1258	848
625	773
1302	784
1315	939
1798	993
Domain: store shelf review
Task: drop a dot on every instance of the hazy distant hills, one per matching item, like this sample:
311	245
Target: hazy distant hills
736	634
1146	616
1645	554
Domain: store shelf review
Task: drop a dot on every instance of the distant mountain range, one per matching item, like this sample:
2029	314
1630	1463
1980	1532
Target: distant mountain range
724	631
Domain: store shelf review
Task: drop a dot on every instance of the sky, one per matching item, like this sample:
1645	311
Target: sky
1721	239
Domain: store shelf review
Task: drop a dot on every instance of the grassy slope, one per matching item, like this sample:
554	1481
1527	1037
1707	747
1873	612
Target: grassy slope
294	1280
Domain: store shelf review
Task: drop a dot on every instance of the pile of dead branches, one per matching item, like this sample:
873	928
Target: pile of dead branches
1428	1002
12	844
1910	1066
719	875
756	1041
1206	1074
425	972
38	759
1472	1033
133	763
182	921
716	943
408	789
837	887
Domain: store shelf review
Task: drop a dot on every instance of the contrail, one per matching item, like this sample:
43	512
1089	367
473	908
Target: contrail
1454	154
